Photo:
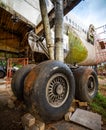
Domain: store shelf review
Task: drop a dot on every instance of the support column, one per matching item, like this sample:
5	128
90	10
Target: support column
59	54
46	25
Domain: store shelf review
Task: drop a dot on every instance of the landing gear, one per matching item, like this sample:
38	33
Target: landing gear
50	93
86	83
48	88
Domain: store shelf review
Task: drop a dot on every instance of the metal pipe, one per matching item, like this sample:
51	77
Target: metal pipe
59	55
46	25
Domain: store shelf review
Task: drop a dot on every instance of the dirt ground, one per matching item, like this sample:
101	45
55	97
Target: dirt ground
10	119
10	114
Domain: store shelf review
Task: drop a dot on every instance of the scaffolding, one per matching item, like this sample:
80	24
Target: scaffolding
14	62
100	44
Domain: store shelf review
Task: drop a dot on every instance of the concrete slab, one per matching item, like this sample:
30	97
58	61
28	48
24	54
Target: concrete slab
87	119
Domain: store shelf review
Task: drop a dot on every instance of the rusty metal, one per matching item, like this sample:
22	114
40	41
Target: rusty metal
29	81
28	88
10	64
13	35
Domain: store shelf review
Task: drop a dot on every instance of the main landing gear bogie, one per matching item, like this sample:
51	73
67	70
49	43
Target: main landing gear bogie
48	88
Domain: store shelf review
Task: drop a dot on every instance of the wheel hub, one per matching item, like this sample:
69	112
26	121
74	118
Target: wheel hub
91	85
59	89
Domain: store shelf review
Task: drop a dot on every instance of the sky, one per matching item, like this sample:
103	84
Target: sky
91	12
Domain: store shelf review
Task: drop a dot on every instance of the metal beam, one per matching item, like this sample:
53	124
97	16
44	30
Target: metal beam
8	49
68	6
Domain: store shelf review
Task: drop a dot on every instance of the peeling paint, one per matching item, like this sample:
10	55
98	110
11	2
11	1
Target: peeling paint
77	51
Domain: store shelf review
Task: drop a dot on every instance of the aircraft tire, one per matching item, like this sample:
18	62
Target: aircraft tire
17	83
49	95
86	84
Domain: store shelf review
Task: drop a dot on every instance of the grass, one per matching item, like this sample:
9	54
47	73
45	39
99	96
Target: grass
99	105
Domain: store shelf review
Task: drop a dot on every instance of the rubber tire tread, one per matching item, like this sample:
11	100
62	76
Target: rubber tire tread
35	98
81	75
17	83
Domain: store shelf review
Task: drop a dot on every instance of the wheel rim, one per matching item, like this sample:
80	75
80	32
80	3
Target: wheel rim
57	90
91	85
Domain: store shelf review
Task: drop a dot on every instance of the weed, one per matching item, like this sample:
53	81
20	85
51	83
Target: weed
99	105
